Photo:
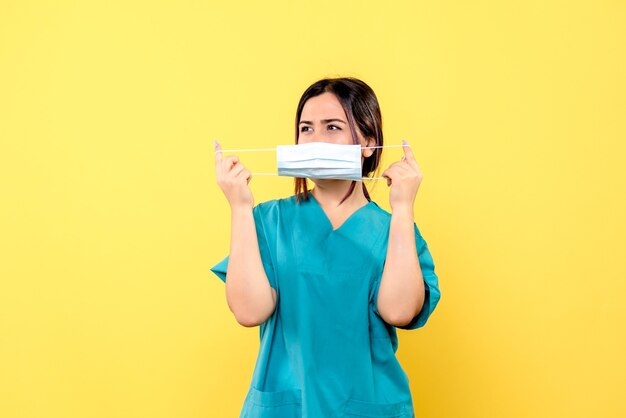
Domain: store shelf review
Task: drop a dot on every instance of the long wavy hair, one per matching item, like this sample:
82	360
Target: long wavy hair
363	112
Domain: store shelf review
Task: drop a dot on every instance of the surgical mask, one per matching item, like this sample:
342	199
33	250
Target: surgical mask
318	160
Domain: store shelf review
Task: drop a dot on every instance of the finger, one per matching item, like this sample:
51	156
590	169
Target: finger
408	154
409	159
405	170
410	163
396	165
236	169
229	162
244	175
218	152
417	168
248	176
397	171
389	174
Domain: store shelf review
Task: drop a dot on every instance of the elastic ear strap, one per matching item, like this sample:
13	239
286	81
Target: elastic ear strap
274	149
384	146
247	150
274	174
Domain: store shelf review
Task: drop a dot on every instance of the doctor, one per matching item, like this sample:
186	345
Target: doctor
327	273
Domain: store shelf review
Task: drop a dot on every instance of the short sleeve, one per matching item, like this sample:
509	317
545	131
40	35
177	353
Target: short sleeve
221	268
431	285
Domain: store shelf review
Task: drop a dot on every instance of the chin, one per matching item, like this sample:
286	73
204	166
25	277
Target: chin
322	182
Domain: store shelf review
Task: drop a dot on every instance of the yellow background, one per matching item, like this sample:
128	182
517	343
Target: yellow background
111	217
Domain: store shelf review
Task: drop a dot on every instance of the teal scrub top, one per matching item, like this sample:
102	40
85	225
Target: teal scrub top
325	351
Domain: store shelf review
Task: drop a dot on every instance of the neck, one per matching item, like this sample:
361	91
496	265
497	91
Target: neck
331	192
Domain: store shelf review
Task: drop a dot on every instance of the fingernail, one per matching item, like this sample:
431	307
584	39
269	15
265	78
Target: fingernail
215	145
404	142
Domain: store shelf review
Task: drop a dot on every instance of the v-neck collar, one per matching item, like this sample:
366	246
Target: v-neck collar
325	216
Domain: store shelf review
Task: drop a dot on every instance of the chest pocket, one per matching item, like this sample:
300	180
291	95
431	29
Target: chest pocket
282	404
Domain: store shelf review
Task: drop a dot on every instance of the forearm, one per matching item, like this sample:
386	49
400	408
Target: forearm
248	292
401	292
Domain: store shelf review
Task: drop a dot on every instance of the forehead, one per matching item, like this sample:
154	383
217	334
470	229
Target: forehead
324	106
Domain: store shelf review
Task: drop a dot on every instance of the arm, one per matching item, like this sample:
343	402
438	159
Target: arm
401	293
248	292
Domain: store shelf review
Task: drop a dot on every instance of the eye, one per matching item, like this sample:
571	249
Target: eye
303	128
335	126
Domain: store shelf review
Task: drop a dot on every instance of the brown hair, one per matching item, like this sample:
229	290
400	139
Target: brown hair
363	112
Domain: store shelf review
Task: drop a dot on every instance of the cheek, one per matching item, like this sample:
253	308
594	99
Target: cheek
344	138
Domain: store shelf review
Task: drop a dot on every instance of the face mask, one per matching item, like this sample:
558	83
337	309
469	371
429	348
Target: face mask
320	160
317	160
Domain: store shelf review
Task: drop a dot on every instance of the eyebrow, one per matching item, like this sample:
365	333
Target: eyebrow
323	121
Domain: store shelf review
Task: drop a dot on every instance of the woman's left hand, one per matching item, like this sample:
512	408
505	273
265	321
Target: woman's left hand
405	178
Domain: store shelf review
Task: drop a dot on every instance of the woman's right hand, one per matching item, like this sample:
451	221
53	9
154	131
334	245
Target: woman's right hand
233	179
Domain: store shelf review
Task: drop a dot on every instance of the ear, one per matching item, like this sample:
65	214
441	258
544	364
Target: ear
369	142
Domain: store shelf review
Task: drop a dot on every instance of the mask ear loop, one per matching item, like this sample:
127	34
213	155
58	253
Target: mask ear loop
274	149
384	146
247	150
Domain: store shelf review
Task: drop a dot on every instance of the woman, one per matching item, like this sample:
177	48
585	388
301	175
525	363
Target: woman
328	274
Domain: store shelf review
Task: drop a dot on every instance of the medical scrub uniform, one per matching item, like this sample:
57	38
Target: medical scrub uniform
325	351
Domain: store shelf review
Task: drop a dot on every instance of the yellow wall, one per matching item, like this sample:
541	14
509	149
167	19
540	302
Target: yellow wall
111	217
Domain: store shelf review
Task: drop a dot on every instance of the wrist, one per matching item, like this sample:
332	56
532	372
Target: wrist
240	208
402	211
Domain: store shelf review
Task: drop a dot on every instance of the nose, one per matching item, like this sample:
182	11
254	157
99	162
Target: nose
316	137
312	137
320	136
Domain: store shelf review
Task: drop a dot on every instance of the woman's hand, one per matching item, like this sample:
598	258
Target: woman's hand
405	178
233	179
